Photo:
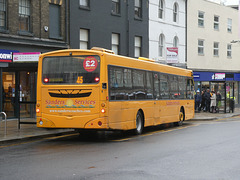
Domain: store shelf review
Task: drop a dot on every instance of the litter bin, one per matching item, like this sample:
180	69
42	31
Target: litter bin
232	105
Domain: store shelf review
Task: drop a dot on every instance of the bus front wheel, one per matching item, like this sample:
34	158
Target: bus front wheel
139	123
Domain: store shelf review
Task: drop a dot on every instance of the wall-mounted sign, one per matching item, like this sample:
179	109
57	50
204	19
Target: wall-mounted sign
26	57
219	76
172	55
6	55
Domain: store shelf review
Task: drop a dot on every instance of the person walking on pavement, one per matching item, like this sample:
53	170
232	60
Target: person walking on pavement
198	99
207	96
213	102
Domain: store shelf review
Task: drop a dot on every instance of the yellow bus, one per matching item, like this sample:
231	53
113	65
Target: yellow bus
98	90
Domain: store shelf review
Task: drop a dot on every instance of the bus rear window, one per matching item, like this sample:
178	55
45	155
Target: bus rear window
71	69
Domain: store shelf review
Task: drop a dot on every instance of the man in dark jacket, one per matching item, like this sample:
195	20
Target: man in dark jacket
207	96
198	99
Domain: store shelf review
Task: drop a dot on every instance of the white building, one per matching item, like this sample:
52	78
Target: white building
167	28
211	27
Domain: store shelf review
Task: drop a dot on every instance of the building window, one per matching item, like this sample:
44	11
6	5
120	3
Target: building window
84	39
115	7
54	21
84	3
24	15
161	9
138	46
216	22
216	49
175	41
3	14
200	47
138	8
161	45
115	43
229	50
175	12
229	27
200	19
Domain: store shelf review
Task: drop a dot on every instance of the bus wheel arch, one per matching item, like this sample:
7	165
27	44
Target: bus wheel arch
181	117
139	122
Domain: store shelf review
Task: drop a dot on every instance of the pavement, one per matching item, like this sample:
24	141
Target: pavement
30	131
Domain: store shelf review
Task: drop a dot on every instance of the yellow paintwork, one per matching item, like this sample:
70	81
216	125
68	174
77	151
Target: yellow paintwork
119	115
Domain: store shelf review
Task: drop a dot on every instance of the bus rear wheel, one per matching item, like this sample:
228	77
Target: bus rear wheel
139	123
181	118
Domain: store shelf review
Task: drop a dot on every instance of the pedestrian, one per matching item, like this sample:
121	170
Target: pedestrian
219	99
203	107
207	96
198	99
213	102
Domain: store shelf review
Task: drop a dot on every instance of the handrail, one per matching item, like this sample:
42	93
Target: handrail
5	131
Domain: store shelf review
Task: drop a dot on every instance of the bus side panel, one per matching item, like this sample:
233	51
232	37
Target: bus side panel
122	115
189	109
169	111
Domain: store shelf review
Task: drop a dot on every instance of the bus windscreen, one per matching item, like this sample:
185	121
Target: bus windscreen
71	69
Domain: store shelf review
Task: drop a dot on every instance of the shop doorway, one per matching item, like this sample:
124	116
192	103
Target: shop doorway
19	94
27	94
9	87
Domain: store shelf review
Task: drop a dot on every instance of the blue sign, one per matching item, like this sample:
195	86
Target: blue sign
215	76
6	55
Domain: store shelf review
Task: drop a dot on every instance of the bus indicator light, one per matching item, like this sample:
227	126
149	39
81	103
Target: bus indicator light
103	110
46	80
37	110
97	79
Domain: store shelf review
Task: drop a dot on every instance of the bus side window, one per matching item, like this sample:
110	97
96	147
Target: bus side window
190	89
156	88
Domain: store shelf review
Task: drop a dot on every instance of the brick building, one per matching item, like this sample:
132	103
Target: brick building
27	28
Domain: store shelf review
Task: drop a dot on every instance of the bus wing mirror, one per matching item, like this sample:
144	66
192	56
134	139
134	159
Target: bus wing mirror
104	85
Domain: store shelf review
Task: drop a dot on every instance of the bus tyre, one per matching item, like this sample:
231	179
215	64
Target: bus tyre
139	123
181	118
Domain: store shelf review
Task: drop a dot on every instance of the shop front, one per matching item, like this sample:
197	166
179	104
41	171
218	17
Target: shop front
18	81
226	84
